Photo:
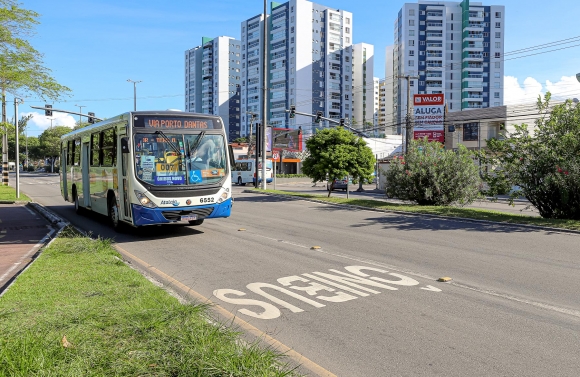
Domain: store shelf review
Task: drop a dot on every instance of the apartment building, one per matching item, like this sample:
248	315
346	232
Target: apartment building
455	48
309	66
363	88
213	80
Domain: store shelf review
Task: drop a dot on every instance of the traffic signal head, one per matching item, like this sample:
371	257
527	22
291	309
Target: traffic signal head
341	122
91	118
318	117
48	110
292	111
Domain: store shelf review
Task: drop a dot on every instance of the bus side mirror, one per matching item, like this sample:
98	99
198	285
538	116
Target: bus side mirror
232	158
125	145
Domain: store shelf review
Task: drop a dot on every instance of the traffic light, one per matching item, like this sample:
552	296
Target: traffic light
342	122
91	118
318	117
292	111
48	110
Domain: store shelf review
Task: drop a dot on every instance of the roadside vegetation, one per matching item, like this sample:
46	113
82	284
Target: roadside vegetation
449	211
431	175
335	153
542	162
8	193
79	310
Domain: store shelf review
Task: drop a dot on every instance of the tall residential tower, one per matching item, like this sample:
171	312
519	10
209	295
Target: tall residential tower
455	48
213	80
309	66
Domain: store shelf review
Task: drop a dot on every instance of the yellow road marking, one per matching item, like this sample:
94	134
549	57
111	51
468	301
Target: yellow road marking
287	351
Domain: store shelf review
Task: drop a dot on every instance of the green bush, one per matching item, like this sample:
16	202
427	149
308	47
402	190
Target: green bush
544	162
291	176
430	175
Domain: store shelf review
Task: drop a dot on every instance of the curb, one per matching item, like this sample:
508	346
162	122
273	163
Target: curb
14	202
516	225
52	218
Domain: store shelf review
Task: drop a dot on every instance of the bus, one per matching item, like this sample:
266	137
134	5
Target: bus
244	171
149	167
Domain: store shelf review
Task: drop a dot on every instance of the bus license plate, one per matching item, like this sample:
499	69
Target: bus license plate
189	218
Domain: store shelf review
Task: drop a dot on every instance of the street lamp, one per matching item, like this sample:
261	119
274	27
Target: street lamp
134	93
80	111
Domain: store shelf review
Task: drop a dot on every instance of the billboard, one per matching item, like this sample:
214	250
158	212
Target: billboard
286	139
429	111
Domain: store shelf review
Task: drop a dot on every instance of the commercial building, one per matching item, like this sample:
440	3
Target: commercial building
213	81
454	48
310	64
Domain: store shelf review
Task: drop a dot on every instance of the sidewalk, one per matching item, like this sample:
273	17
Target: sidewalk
22	233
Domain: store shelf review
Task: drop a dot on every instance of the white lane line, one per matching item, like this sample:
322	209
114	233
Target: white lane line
537	304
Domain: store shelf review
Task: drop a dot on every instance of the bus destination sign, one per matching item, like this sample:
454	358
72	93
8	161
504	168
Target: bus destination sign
176	123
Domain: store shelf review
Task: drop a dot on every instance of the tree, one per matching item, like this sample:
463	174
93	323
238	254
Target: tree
79	125
544	162
430	175
50	142
337	153
22	123
22	71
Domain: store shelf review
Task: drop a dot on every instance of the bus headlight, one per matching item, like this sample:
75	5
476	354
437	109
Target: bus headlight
223	197
144	200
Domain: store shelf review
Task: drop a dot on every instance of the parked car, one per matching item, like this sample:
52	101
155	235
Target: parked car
339	184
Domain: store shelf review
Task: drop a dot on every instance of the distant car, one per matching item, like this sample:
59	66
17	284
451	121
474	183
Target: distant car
339	184
41	170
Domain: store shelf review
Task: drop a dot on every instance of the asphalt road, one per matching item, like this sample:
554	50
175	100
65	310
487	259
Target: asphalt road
512	308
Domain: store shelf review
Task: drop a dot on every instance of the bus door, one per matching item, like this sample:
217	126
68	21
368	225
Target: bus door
63	172
85	151
125	209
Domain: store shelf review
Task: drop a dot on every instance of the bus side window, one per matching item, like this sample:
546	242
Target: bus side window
238	166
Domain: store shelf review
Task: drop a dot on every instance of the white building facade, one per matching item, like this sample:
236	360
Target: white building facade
363	86
455	48
309	66
213	81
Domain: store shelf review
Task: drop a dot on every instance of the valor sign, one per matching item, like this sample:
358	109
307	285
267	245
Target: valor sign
429	116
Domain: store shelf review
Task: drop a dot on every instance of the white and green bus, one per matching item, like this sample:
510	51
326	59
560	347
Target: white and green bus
149	167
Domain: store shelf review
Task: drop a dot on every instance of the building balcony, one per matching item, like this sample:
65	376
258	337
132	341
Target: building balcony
434	35
435	55
473	36
473	97
473	105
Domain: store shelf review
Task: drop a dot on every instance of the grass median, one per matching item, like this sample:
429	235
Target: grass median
8	193
449	211
79	310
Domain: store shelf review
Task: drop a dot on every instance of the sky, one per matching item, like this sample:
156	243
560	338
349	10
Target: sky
94	46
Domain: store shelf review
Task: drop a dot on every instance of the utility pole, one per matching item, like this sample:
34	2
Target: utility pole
408	125
17	162
80	111
4	144
264	96
252	117
134	93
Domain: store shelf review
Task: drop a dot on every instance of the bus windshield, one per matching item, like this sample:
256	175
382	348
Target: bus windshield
166	158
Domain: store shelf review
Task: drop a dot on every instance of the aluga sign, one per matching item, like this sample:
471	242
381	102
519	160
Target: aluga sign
429	117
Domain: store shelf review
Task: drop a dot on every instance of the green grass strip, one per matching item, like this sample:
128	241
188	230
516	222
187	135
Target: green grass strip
450	211
117	323
9	194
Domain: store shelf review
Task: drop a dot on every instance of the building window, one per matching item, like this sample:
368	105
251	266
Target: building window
496	75
470	131
497	14
411	42
411	33
411	22
347	30
411	12
411	63
348	21
496	104
497	64
498	25
496	95
411	52
498	55
497	44
496	84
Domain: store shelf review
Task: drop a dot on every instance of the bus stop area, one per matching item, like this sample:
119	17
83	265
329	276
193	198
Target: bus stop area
23	232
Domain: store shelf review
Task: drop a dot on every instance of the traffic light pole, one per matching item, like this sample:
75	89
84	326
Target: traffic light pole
330	120
68	112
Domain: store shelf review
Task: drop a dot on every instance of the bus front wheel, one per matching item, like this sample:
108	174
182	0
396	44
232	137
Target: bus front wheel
78	208
114	215
196	222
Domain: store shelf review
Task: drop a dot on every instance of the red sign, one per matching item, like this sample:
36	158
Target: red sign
275	156
431	135
429	99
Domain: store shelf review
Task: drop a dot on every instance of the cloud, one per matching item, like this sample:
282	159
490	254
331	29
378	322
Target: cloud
514	93
40	122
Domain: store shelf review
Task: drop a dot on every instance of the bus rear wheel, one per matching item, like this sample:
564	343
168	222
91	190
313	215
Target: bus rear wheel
196	222
240	183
